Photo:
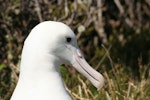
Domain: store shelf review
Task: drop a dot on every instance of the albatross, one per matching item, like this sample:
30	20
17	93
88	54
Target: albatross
49	45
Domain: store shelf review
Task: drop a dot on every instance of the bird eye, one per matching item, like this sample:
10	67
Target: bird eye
68	39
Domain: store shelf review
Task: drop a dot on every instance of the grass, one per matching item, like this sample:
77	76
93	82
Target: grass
120	84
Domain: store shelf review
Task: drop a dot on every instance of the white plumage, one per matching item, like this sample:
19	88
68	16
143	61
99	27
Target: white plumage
49	45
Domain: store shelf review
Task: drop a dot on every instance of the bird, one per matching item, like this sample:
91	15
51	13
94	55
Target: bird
49	45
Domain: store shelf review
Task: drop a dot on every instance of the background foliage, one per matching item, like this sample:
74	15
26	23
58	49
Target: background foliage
114	36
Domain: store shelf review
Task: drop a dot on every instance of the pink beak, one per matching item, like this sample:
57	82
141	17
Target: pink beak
85	69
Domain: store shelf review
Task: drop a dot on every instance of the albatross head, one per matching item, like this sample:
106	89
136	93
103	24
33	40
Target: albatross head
49	45
59	41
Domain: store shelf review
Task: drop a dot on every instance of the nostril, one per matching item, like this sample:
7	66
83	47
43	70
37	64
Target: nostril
79	53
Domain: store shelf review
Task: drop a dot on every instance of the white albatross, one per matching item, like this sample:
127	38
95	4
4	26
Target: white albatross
49	45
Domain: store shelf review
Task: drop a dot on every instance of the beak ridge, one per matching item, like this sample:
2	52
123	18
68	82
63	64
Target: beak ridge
85	69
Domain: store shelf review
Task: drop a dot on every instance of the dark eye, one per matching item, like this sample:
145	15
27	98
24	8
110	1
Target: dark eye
68	39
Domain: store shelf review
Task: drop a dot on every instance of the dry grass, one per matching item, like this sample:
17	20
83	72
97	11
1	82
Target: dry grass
119	85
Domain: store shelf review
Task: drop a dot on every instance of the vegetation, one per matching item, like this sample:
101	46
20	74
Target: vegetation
114	36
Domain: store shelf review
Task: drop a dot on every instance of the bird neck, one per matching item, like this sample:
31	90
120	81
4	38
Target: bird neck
40	76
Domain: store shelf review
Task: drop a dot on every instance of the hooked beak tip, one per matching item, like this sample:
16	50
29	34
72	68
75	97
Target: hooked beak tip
101	83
